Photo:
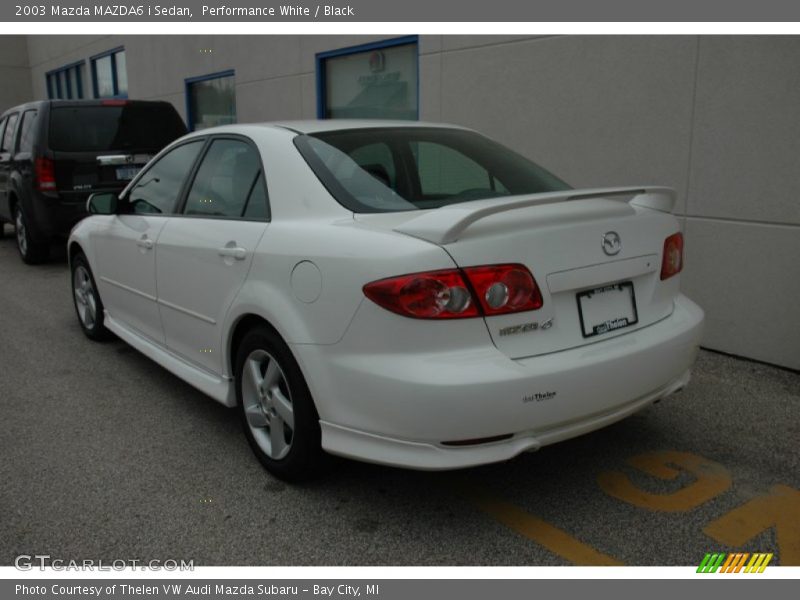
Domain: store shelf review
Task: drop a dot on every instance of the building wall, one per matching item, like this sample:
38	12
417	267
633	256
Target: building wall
714	117
14	71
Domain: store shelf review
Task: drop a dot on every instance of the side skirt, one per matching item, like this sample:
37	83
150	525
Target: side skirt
219	388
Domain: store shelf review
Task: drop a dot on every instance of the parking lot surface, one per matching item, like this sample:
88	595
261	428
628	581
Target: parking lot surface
106	455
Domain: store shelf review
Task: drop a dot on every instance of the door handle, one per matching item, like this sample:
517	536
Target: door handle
145	243
233	252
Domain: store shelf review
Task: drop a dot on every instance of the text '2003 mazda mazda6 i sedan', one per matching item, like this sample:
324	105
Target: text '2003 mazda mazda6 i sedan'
406	294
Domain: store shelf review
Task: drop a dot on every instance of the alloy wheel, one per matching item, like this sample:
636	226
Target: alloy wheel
267	403
85	299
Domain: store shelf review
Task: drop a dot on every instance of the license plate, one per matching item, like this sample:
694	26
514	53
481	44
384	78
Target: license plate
607	309
126	173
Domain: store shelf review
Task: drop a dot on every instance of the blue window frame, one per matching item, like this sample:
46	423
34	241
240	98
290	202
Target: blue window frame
110	74
374	80
66	82
210	100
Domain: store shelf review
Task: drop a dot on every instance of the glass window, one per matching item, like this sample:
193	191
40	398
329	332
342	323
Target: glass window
435	167
9	133
224	180
110	75
377	160
127	126
65	83
157	190
122	74
212	101
104	77
27	131
258	202
445	172
373	84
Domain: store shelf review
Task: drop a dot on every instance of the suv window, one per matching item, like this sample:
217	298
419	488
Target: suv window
224	184
157	190
113	127
26	130
9	133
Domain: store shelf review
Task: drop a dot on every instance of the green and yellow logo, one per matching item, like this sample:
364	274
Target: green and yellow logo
734	563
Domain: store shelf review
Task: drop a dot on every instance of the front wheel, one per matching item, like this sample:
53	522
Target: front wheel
87	301
30	251
276	408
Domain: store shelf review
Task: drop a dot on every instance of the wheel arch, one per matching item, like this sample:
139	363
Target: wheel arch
239	328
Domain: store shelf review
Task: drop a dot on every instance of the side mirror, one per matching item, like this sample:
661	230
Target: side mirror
102	203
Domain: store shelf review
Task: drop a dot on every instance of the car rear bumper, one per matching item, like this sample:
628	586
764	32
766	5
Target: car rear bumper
54	217
407	409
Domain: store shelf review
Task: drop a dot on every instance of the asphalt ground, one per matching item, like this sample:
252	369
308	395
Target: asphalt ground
105	455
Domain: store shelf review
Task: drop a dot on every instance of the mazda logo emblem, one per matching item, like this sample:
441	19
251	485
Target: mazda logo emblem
612	243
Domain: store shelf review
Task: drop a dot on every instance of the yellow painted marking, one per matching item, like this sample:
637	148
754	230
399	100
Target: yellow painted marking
752	562
554	539
766	562
759	559
711	480
779	509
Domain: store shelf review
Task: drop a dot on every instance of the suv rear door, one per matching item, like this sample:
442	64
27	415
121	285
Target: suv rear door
102	145
6	156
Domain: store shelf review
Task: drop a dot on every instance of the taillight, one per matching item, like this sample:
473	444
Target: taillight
457	293
431	295
114	102
504	289
672	261
45	174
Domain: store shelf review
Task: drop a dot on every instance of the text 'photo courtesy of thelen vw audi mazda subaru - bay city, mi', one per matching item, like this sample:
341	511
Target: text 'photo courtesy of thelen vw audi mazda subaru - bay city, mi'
396	292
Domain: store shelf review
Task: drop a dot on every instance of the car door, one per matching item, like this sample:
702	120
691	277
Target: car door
125	244
204	253
6	156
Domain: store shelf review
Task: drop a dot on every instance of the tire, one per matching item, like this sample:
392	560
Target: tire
31	252
276	408
88	305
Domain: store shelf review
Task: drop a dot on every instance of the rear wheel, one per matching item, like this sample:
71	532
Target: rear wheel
30	251
87	301
276	408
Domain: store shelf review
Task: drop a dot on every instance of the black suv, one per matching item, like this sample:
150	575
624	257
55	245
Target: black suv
54	153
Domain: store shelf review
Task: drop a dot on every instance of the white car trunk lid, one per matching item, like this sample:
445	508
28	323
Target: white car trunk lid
592	290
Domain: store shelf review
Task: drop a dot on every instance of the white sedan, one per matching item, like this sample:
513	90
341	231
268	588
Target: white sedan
401	293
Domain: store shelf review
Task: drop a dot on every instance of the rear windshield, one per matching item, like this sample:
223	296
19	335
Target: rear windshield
113	127
398	169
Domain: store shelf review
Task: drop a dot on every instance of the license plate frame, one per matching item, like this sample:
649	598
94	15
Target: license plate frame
614	323
123	172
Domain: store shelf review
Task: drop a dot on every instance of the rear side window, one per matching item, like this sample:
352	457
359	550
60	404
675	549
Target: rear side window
8	135
224	184
122	126
157	190
27	130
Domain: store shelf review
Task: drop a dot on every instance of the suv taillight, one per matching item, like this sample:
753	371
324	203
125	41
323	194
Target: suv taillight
45	174
672	261
458	293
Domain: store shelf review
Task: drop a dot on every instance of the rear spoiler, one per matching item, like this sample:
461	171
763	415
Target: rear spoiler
444	225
